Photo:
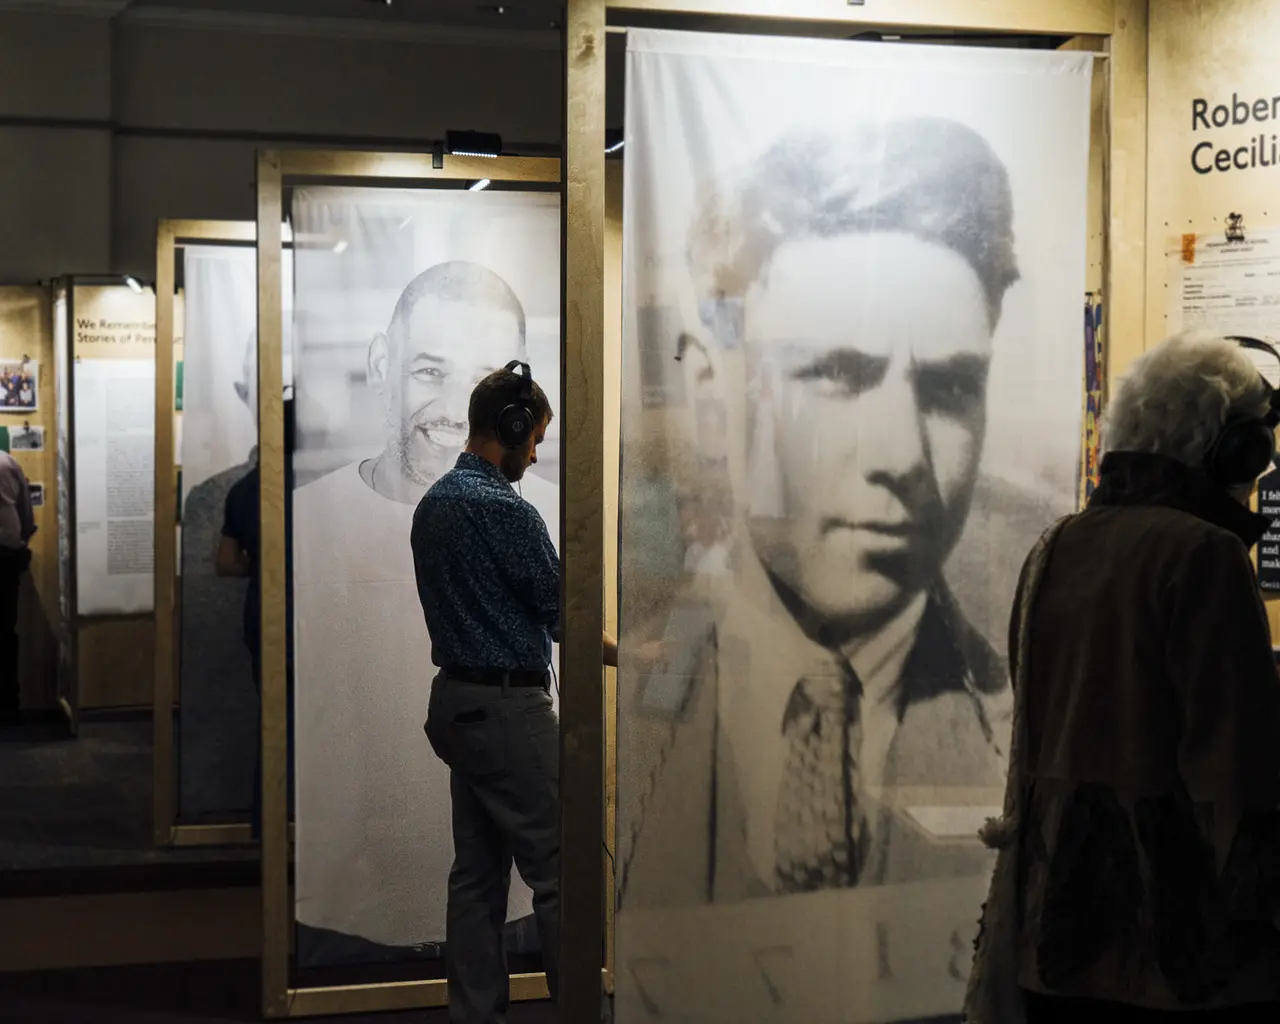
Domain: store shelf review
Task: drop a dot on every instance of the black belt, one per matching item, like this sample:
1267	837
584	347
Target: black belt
495	677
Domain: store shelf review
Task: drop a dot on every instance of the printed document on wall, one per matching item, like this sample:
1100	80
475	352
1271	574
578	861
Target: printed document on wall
1228	287
114	393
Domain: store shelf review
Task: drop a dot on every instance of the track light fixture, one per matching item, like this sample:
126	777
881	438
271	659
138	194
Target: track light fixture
484	144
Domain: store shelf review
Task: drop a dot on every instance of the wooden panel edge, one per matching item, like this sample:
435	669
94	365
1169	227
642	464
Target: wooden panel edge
276	915
1058	17
582	516
164	781
323	163
392	996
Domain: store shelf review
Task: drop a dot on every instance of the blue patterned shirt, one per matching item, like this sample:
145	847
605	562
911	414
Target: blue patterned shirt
488	576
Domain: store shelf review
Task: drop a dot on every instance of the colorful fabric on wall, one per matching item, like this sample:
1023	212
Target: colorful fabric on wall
1093	368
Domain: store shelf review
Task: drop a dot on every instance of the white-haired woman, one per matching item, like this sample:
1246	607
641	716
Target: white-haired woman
1139	866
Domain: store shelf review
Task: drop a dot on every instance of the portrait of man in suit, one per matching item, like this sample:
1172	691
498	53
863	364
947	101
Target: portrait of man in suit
829	717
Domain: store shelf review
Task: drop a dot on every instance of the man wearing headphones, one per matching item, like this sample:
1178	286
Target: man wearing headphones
489	581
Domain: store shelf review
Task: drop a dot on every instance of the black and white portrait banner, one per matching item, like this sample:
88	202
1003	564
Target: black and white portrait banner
404	301
216	447
851	402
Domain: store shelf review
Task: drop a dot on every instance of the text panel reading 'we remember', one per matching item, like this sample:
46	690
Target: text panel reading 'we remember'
114	348
1233	151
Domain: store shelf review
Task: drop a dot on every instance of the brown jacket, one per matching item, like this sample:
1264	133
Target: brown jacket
1151	846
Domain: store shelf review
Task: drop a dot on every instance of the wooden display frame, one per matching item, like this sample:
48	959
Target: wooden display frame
63	292
1117	28
278	169
172	235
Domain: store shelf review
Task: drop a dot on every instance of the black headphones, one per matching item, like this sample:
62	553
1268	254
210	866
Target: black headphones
1246	445
515	421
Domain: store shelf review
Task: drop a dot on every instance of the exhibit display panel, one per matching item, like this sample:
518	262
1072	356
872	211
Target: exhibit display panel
217	731
27	432
404	300
851	394
114	424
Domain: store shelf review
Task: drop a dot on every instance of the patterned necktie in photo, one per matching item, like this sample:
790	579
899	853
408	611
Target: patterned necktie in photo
821	833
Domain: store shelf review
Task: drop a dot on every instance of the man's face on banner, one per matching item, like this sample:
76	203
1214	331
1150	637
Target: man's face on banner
247	385
873	351
424	370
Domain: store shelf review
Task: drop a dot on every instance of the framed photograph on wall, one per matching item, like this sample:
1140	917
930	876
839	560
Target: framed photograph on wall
19	385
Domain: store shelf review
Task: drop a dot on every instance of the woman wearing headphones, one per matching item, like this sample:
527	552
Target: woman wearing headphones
1139	865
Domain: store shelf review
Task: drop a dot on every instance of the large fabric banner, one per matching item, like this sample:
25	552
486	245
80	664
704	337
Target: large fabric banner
852	393
218	722
114	347
404	300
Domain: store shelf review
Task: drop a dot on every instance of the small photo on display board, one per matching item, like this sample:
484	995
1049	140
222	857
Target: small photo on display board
26	438
19	385
37	494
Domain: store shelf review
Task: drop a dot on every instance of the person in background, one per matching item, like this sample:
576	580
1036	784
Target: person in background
489	583
238	555
1139	873
17	526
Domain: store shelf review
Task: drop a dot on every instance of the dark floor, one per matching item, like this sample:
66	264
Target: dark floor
75	816
84	802
213	992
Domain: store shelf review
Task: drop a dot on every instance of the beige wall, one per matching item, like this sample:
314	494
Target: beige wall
1126	186
1206	49
1210	50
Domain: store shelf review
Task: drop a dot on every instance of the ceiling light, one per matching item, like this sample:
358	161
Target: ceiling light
614	139
484	144
340	246
133	283
479	186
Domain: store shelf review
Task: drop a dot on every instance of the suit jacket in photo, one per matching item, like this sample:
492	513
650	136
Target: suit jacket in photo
684	820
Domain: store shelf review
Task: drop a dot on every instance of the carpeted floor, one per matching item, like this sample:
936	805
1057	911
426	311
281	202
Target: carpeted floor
84	802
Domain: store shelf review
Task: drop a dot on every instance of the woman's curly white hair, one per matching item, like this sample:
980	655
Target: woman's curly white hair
1175	398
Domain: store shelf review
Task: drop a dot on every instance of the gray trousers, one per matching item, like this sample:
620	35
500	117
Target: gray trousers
503	749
